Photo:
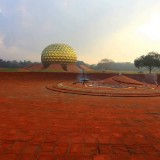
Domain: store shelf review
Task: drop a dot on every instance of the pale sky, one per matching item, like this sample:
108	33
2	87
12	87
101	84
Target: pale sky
121	30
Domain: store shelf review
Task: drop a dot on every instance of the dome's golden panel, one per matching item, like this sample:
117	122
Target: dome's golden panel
58	54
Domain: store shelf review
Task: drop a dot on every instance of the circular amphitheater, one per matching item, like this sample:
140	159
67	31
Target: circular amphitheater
116	86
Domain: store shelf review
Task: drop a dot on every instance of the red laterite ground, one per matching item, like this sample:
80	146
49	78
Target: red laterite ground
39	124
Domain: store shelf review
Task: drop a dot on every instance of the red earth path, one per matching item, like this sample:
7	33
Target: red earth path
39	124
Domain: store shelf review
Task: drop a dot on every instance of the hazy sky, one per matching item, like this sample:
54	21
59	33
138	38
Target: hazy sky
120	30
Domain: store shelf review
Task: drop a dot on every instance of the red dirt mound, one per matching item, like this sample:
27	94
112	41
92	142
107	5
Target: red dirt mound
23	70
121	80
73	68
54	67
110	81
28	66
36	67
85	68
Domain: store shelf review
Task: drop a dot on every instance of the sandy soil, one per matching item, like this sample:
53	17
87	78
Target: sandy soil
38	124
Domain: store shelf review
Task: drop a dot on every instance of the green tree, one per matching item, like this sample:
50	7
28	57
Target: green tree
105	64
138	62
149	61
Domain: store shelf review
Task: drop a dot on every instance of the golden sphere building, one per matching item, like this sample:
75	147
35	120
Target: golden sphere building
58	54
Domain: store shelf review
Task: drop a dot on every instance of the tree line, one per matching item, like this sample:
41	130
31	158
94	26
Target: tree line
15	64
148	62
107	64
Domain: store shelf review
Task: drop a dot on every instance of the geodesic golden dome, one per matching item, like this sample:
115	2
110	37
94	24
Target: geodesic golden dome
58	54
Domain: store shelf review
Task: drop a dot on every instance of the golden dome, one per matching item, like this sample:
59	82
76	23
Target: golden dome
58	54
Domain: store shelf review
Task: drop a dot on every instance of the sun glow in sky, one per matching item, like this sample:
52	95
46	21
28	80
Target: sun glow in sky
121	30
151	29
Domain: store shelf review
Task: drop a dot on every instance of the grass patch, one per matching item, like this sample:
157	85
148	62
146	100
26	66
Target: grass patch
8	69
